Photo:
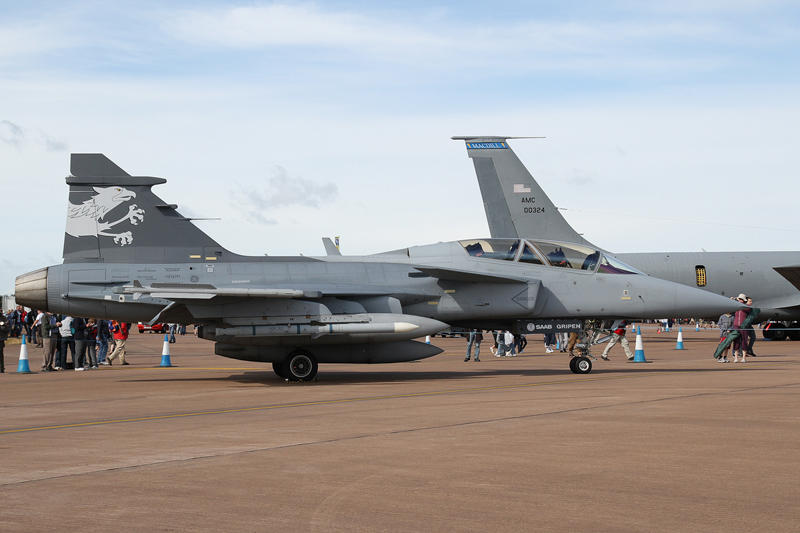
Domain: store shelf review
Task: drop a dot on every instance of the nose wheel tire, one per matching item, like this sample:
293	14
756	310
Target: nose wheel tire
300	365
580	365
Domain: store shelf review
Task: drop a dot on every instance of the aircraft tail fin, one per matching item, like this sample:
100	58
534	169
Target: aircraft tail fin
115	217
515	204
330	248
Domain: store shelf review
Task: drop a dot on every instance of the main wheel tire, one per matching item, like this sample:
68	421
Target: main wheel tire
583	365
779	334
300	365
278	369
572	362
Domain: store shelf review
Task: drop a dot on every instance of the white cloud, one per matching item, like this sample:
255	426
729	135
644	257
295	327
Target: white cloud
53	145
11	134
619	44
581	178
719	7
25	40
295	25
280	191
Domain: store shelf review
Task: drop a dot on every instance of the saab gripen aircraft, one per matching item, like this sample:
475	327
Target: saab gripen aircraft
517	207
128	255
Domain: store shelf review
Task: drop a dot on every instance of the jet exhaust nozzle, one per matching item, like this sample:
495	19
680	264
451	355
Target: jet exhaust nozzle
30	290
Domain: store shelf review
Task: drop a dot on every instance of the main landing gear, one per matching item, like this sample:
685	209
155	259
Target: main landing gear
299	365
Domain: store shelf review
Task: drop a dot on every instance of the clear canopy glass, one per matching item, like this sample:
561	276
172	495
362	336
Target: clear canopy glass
610	265
503	249
547	253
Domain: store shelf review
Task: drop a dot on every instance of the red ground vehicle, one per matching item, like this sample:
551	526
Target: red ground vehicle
158	328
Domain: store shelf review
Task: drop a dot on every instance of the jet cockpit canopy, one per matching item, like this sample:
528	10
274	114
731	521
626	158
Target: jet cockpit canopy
547	253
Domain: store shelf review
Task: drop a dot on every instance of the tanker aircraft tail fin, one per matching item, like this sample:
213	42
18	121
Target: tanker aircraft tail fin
515	204
330	248
114	217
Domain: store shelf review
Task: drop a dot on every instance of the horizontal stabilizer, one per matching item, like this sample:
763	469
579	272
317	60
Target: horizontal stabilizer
791	273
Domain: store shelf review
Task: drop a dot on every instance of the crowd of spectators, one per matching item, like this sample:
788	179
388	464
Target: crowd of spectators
68	342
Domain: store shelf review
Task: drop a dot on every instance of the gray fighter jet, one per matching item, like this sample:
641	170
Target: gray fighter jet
516	206
130	256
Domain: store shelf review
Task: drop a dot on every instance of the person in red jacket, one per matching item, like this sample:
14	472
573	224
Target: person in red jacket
618	336
120	332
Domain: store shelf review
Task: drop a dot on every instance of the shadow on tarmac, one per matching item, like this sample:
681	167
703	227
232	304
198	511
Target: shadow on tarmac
345	377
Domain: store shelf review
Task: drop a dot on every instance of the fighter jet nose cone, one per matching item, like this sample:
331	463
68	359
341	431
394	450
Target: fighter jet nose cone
705	304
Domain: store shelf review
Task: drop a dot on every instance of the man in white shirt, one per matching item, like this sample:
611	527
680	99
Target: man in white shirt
67	341
37	329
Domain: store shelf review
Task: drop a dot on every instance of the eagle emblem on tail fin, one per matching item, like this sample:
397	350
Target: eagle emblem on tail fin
88	218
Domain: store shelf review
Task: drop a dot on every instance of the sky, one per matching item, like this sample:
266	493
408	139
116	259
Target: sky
670	126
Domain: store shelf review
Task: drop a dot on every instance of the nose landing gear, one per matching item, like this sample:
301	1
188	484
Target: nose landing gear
580	365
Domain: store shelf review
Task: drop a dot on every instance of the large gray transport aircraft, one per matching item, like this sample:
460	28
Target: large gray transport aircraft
517	207
130	256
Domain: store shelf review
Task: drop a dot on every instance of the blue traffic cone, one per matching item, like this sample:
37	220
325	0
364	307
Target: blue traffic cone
679	346
165	352
427	339
23	367
697	326
638	356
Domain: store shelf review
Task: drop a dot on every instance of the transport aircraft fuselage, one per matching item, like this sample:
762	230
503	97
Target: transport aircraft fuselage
516	206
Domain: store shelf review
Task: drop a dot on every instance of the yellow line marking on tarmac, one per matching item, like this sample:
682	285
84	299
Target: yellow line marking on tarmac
259	369
371	398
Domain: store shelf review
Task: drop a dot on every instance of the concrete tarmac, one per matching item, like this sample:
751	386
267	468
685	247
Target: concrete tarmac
682	443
